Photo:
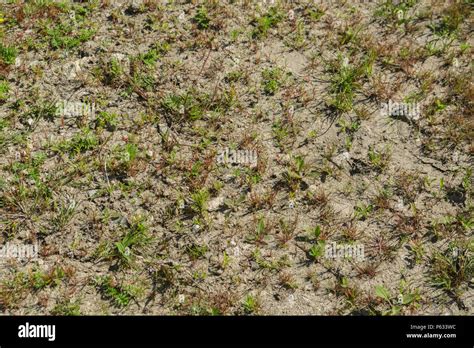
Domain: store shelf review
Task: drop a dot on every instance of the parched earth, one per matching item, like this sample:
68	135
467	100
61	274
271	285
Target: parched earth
236	157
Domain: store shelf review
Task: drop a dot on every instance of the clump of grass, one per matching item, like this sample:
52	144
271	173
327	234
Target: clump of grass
250	305
65	213
67	307
449	225
13	290
202	18
107	120
287	230
350	35
119	295
8	54
136	236
197	251
199	201
41	110
449	24
293	176
362	211
284	131
190	105
317	250
198	105
4	89
343	86
83	141
378	160
64	36
125	159
395	11
271	80
315	13
40	279
345	80
405	298
260	231
350	293
111	71
265	22
453	268
154	54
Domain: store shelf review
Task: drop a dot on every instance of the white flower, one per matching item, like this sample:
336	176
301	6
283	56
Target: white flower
455	62
345	62
291	15
400	15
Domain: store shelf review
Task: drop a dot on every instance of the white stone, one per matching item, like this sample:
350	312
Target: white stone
215	203
399	205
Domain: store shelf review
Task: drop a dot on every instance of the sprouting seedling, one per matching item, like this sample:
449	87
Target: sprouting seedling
315	233
260	229
8	54
202	18
136	236
405	297
4	89
317	250
200	199
453	268
294	174
250	304
271	80
65	214
384	294
362	211
225	260
264	23
299	164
